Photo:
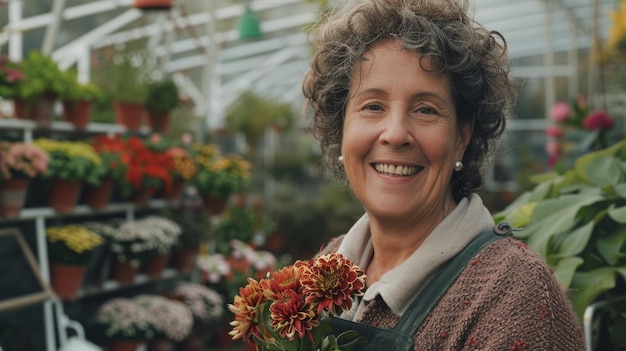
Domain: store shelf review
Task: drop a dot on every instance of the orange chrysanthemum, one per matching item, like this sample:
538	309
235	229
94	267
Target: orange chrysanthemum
331	281
287	278
246	310
292	316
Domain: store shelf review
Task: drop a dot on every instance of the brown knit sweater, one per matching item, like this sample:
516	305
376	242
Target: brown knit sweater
505	299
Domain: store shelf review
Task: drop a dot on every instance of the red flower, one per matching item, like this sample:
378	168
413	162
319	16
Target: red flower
331	281
598	120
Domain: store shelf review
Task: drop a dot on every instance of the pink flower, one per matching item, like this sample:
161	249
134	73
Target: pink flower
598	120
554	131
553	148
186	138
581	102
560	112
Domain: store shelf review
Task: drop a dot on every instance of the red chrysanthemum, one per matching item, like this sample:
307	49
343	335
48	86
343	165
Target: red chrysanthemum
287	278
598	120
292	316
331	281
246	310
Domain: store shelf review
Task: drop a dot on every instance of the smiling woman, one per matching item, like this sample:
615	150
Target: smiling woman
407	99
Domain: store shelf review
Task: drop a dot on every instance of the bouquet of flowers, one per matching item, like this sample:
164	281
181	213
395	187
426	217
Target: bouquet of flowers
172	319
22	160
287	310
219	176
124	319
72	244
72	160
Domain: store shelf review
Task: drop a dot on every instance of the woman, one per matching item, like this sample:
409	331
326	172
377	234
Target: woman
407	99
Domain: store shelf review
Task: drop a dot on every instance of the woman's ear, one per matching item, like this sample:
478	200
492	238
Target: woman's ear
465	135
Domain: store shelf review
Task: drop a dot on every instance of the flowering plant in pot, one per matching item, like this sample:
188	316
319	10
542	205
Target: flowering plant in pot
207	307
148	170
195	231
288	309
72	163
10	75
165	233
219	176
173	319
71	248
123	321
115	160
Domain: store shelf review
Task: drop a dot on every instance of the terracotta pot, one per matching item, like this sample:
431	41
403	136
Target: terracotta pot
12	196
129	115
185	259
66	279
63	195
77	112
216	206
192	343
155	267
141	197
153	4
99	196
123	272
41	110
124	345
161	344
175	192
158	121
19	108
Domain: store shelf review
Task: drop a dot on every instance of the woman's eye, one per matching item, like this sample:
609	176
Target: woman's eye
373	107
426	110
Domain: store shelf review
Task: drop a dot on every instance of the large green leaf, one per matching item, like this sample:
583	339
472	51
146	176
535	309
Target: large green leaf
618	214
554	216
601	167
620	189
586	286
575	241
565	269
610	246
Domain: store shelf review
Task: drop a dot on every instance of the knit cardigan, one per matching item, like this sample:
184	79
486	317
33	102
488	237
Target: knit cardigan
506	298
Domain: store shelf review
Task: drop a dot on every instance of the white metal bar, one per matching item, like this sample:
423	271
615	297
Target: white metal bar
50	39
15	38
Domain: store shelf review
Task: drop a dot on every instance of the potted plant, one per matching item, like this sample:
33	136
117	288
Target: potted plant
207	308
115	159
72	163
195	231
219	176
161	98
173	320
70	249
78	99
576	220
124	324
19	163
165	234
10	75
183	171
42	84
148	171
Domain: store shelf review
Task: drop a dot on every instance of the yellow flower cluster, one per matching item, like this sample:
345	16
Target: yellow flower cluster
185	166
75	237
205	154
233	164
73	149
617	34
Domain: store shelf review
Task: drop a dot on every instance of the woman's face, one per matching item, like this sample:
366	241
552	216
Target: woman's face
400	136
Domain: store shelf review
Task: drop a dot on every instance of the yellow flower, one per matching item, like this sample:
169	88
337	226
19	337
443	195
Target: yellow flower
75	237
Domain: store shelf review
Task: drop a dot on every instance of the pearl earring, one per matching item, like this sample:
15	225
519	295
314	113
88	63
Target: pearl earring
458	165
340	158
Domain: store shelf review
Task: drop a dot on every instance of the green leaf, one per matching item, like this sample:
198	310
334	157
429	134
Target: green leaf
575	241
620	189
601	167
586	286
618	214
609	246
554	216
564	271
521	217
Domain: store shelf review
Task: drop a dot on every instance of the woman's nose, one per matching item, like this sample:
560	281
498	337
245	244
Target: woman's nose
395	131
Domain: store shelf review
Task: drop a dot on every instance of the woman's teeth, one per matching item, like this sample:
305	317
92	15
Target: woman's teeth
395	170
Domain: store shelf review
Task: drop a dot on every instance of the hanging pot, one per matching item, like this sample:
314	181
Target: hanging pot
153	4
64	194
12	196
